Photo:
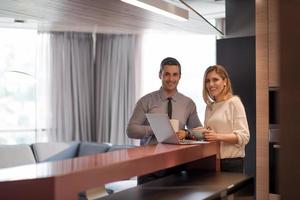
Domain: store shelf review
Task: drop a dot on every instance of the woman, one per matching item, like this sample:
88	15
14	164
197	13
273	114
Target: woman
225	118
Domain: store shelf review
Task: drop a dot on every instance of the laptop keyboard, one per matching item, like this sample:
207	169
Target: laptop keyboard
186	141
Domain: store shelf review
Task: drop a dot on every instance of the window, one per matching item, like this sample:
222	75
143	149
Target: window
195	53
17	86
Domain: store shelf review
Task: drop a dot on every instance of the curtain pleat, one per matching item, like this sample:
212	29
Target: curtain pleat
91	100
116	60
71	86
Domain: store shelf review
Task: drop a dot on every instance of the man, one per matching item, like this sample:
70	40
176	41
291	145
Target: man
183	108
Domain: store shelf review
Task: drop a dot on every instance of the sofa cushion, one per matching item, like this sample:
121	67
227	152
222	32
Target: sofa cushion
90	148
14	155
54	151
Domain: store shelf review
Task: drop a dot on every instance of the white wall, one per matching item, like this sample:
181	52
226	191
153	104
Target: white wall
194	52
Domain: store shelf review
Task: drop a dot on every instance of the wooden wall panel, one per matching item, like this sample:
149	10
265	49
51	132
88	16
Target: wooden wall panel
262	86
109	16
273	43
289	107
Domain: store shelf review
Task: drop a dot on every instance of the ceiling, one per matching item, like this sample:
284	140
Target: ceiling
112	16
210	9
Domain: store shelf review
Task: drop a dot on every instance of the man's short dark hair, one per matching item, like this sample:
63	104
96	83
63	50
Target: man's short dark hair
169	61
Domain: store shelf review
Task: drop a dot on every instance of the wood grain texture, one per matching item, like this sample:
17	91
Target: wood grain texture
112	16
262	116
289	108
274	61
65	179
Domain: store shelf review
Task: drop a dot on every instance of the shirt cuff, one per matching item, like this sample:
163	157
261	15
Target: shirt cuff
240	142
148	131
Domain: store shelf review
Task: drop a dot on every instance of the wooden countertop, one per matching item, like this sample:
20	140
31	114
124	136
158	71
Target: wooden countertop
65	179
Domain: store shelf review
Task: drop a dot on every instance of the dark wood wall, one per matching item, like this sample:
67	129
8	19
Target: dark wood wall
240	18
289	99
237	55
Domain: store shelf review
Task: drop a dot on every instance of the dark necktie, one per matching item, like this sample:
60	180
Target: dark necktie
170	107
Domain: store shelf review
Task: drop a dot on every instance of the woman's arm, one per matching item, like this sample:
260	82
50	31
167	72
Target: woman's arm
211	136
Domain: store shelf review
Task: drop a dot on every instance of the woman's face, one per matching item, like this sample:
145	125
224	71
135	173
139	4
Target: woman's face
214	85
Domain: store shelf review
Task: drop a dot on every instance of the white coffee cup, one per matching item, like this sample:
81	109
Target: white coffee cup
175	124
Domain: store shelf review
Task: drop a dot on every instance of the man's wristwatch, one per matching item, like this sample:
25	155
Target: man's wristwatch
189	134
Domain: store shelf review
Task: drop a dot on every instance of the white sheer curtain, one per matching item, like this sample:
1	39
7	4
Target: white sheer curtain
42	77
117	58
71	91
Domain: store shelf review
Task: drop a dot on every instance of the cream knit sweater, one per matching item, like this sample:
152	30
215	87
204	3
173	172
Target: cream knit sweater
229	117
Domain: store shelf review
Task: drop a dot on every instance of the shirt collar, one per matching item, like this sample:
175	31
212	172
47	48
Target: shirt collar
164	97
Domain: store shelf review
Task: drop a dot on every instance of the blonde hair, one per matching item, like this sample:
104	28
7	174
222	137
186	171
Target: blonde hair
227	91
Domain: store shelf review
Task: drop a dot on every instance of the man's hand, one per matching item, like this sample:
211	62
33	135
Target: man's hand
181	134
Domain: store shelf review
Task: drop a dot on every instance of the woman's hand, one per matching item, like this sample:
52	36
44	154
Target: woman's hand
181	134
200	128
211	136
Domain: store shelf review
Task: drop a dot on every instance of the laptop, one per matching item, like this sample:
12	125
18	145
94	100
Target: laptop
164	132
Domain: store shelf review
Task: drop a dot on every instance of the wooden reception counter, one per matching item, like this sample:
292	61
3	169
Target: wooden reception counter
63	180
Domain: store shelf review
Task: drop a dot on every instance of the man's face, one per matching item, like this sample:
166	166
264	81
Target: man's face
170	77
